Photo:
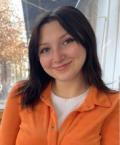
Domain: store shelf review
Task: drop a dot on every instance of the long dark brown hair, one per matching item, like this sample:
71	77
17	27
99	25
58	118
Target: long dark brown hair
76	24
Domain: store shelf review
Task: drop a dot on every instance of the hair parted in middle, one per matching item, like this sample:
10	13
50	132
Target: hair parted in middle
77	25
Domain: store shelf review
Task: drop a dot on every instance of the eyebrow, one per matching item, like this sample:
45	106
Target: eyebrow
62	36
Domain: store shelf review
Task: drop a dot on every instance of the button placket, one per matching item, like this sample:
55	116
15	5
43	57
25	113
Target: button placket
52	138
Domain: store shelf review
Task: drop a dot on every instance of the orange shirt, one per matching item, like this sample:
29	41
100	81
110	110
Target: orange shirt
95	122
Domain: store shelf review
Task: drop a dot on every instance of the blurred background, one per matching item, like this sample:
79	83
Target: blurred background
17	18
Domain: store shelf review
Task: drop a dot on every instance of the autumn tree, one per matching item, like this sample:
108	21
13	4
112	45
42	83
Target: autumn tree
13	52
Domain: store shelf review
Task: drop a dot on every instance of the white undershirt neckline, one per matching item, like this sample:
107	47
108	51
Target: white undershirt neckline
63	106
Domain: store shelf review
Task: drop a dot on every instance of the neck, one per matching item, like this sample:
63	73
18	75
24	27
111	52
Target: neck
69	89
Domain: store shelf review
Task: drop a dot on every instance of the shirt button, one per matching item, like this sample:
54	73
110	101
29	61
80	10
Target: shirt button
52	127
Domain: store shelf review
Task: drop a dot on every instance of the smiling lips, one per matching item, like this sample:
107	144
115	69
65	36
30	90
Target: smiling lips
62	67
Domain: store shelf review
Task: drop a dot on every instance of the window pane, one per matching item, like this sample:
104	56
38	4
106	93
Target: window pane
13	46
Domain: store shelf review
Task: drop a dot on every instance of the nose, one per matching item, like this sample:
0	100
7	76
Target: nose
58	56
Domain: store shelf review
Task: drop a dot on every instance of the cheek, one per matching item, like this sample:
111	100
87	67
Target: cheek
78	52
45	62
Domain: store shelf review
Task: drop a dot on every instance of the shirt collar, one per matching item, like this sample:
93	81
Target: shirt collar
93	98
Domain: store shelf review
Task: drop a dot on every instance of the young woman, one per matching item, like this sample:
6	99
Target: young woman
64	101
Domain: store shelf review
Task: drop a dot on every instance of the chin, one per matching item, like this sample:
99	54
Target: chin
65	79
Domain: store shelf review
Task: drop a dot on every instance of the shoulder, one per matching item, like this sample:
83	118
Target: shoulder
14	89
113	110
114	98
108	100
13	93
111	99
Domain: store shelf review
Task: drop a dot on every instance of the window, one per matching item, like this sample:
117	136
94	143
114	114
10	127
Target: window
17	18
13	46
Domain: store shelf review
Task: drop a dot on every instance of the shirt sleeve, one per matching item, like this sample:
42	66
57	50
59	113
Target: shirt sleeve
9	126
110	129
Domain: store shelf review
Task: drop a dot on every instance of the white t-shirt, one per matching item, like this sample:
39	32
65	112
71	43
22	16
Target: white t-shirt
63	106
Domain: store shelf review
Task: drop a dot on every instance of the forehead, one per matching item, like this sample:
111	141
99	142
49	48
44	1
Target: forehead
51	30
50	26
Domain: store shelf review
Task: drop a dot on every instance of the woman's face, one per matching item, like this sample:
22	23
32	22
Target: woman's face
60	55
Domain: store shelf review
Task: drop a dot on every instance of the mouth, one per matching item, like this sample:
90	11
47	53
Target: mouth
62	67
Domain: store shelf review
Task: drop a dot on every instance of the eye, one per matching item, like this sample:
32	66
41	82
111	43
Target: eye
44	50
68	40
